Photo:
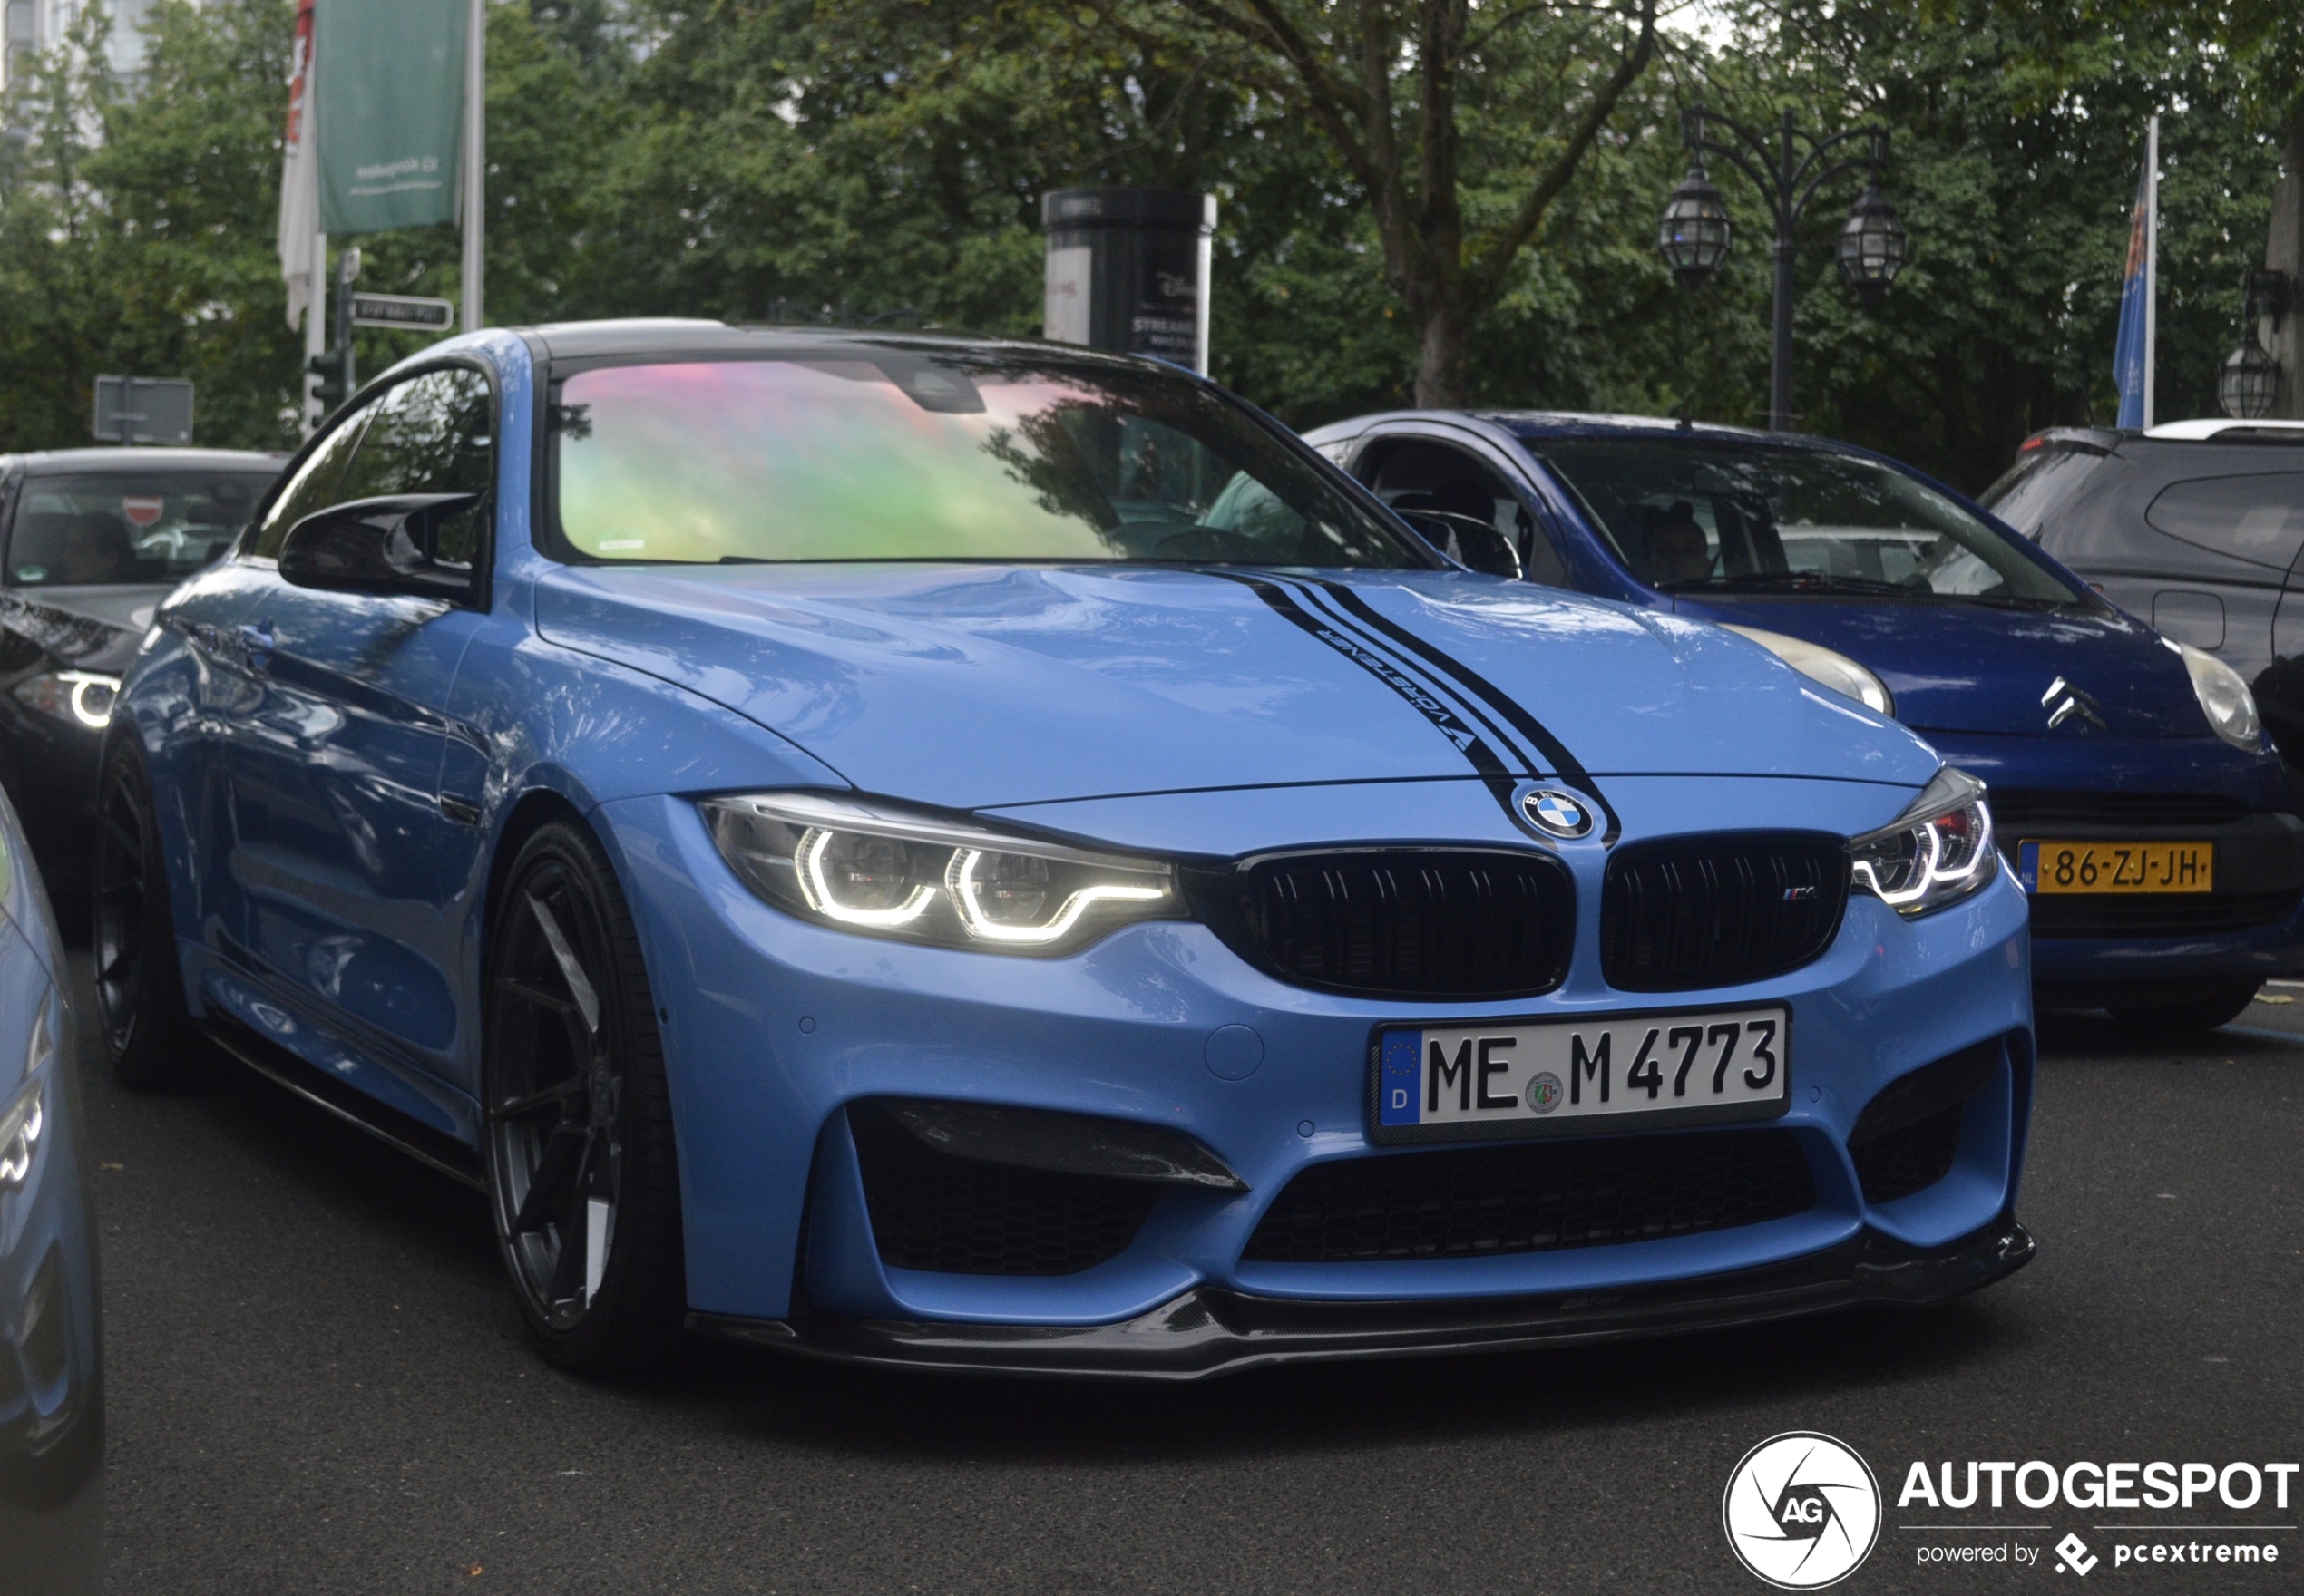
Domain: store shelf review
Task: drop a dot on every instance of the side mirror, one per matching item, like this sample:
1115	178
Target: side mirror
380	546
1466	539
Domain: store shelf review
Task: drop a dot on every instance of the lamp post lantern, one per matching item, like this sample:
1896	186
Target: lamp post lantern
2247	382
1788	167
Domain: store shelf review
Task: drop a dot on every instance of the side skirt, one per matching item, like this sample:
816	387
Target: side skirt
355	1107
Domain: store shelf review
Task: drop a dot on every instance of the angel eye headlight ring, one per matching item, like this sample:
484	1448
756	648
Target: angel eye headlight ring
1939	850
883	870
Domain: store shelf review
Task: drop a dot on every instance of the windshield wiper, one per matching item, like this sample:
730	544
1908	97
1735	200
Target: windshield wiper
1797	582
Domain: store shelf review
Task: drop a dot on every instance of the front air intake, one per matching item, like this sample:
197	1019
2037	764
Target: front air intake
1719	910
1533	1197
1437	923
935	1211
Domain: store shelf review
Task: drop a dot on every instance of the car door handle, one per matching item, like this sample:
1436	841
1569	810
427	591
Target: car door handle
256	642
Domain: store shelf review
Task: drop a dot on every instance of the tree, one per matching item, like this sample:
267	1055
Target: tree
1461	127
2018	137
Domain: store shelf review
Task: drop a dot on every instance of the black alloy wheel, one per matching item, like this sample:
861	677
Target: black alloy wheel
139	992
582	1174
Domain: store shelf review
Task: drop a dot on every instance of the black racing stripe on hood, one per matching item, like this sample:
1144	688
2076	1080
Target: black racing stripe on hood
1478	687
1494	773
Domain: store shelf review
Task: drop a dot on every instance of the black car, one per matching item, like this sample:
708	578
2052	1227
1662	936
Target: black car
91	541
2196	527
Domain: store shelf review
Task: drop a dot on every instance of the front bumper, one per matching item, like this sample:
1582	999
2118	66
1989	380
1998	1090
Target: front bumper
1209	1330
2260	883
776	1030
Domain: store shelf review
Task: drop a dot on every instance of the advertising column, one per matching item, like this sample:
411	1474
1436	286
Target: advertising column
1128	270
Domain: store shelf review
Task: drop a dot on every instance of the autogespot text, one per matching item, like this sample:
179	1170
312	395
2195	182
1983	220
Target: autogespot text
2153	1487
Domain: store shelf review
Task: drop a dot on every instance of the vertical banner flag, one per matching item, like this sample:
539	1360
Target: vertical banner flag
394	130
300	177
2132	353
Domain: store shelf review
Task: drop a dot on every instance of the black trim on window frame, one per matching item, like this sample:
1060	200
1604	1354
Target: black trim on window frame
484	585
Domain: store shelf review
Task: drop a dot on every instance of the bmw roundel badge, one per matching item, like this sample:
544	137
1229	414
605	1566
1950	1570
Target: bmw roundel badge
1560	814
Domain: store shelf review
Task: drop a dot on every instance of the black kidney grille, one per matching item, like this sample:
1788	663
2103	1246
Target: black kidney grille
1533	1197
930	1210
1719	910
1403	923
2017	815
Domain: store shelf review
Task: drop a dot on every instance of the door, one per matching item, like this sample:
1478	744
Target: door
2235	539
342	860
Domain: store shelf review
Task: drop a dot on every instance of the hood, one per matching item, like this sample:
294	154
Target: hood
976	687
96	627
1975	667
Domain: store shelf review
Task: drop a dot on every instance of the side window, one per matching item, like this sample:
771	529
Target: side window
433	433
314	486
1417	474
2259	519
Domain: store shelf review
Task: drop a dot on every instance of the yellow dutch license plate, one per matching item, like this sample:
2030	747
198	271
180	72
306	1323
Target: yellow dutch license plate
2054	867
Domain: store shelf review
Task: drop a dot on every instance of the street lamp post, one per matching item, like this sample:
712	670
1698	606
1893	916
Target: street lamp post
1788	168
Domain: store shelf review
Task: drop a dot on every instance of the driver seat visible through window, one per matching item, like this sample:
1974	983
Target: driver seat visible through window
1415	474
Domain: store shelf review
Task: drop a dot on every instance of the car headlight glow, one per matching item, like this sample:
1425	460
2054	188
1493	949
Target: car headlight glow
1818	664
2223	696
1937	852
886	871
83	697
25	1118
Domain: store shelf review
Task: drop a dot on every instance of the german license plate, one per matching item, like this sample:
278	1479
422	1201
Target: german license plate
1522	1077
2047	868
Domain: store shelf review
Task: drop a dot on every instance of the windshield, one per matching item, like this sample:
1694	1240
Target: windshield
2043	477
1726	516
123	528
891	454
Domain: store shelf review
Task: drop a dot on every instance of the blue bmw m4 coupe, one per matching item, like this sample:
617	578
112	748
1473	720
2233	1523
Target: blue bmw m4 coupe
983	855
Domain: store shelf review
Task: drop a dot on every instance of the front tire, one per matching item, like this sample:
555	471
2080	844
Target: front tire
2195	1015
139	988
582	1174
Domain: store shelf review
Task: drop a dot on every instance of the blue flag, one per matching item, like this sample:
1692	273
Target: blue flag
2132	359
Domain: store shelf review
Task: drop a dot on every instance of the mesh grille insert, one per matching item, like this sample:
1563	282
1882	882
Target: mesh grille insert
1445	923
1721	909
930	1210
1911	1159
1533	1197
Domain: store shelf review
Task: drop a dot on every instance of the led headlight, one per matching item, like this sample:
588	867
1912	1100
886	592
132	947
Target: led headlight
25	1118
885	872
82	697
1937	852
1818	664
2223	696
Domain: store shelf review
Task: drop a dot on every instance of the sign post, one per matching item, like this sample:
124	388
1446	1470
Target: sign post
1128	270
143	410
403	312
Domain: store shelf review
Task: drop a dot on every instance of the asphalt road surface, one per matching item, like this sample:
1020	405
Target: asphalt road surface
317	1383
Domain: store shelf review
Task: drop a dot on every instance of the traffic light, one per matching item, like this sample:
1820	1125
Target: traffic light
334	370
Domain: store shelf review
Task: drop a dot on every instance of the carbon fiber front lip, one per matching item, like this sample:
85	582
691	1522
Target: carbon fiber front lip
1210	1331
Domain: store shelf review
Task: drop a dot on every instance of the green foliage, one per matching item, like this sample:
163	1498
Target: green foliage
2018	140
135	231
748	159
